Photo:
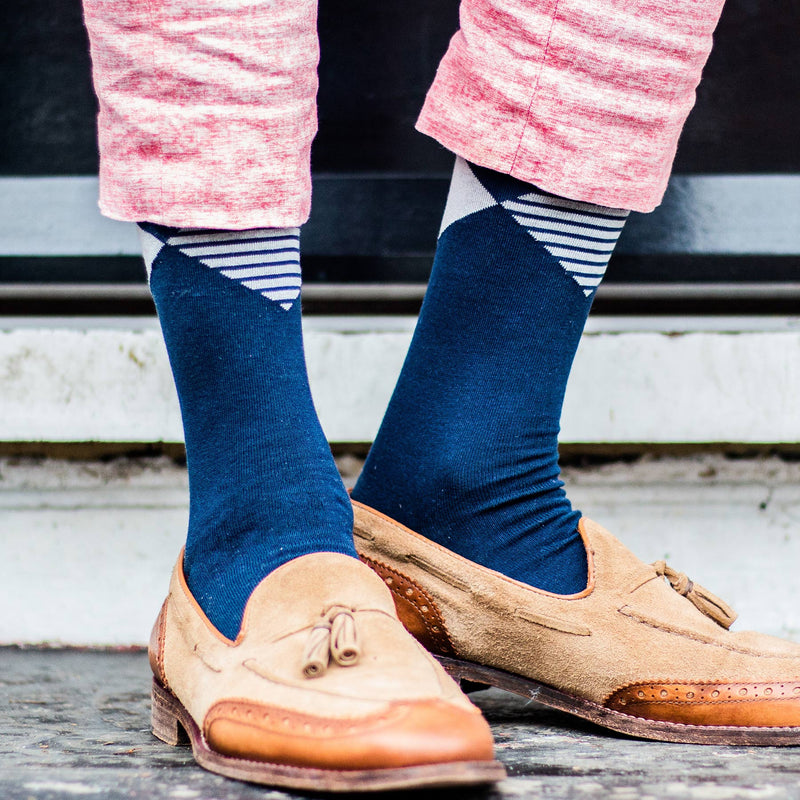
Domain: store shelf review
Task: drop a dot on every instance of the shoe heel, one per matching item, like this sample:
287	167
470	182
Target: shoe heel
163	719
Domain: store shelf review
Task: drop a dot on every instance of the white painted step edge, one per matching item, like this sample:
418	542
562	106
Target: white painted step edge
112	384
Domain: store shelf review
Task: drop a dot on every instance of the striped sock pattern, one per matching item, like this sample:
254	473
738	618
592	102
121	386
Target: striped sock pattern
264	260
580	236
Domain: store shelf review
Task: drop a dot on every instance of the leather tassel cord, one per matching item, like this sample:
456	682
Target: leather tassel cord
711	605
335	637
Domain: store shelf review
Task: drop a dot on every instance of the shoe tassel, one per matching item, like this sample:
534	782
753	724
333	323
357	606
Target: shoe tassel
333	637
705	601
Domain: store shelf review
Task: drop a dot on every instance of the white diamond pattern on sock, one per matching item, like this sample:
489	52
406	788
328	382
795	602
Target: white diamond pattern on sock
580	236
467	195
265	260
151	247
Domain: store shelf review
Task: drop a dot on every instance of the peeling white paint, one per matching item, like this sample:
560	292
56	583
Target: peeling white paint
114	385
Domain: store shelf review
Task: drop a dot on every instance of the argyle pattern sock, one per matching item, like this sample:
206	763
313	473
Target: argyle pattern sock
262	482
467	454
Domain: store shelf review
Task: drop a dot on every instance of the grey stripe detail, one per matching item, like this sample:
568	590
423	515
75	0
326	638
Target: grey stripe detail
258	258
533	213
259	272
240	246
227	236
557	226
583	280
575	242
568	254
282	294
273	283
574	205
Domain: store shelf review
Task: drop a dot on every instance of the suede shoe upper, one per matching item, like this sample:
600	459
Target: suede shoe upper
629	642
322	675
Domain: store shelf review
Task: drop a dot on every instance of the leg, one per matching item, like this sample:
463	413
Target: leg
467	453
460	492
276	651
179	111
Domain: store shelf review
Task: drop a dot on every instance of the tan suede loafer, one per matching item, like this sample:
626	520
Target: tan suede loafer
323	689
633	652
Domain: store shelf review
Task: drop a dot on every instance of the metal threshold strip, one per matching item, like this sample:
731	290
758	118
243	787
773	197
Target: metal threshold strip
405	292
721	215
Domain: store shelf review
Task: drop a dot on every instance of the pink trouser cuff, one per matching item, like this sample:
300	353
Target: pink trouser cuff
584	98
207	110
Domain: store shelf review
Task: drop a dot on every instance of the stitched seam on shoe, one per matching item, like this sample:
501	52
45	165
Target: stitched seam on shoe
363	534
697	726
392	712
651	623
671	683
162	638
443	632
551	623
640	580
423	563
162	635
685	703
207	662
616	712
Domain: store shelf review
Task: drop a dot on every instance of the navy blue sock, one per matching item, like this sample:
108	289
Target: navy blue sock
467	454
263	485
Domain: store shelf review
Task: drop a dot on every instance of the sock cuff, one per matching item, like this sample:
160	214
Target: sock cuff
265	260
580	236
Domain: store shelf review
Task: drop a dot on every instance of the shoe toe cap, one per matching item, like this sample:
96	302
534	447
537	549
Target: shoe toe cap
404	734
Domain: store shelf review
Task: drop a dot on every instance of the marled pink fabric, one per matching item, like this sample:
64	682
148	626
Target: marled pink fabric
207	108
584	98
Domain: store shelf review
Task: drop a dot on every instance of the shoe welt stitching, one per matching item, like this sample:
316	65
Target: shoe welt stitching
551	623
654	623
162	638
423	563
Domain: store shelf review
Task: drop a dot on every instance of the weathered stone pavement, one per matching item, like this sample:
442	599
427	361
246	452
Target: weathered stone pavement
75	724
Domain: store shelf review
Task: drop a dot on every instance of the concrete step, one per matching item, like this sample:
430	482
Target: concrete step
698	380
87	547
77	725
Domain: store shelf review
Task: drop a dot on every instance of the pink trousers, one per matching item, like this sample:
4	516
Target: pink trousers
208	107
